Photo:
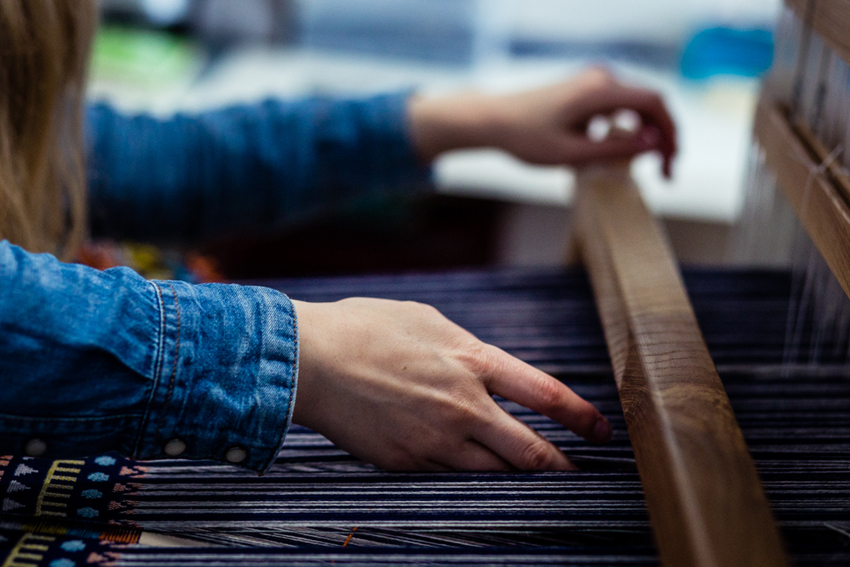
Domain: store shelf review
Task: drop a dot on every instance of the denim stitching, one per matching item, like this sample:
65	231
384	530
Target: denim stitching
160	347
292	384
174	367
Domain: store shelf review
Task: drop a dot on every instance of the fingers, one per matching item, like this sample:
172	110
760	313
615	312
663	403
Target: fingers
473	456
648	104
515	380
654	113
519	445
612	147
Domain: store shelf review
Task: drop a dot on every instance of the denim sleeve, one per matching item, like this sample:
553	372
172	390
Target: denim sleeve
245	168
96	361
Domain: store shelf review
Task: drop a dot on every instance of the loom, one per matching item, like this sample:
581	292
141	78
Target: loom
750	470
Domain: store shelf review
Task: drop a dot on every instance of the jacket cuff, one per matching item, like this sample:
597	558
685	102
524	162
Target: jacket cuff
405	167
225	377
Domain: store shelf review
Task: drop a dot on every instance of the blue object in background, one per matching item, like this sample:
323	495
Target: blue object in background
725	51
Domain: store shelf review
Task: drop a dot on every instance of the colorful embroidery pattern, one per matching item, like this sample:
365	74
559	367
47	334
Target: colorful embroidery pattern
30	549
65	513
91	489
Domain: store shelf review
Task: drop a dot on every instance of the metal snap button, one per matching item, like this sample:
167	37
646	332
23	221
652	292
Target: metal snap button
35	448
236	455
175	448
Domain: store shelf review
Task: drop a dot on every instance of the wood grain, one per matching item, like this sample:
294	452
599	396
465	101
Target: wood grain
830	19
819	195
801	8
705	500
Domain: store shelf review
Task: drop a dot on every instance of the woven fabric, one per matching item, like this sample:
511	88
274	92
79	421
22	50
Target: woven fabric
319	505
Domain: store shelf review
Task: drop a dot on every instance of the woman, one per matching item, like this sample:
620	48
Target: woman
94	361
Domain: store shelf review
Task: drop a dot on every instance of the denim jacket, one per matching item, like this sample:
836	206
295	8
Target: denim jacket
94	361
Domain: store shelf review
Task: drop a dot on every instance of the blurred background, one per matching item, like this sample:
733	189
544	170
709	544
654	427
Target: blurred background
705	56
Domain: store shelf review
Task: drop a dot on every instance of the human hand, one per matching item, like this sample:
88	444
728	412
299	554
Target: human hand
548	125
399	385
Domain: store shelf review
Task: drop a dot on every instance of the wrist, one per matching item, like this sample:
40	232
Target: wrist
465	120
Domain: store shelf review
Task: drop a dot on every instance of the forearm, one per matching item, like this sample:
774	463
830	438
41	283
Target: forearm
97	361
254	167
465	120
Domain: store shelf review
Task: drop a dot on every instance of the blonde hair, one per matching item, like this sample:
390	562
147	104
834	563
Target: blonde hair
44	51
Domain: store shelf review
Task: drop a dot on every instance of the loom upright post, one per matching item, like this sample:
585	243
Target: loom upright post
705	500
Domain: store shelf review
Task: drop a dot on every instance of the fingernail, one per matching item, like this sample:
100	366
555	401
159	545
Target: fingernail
602	431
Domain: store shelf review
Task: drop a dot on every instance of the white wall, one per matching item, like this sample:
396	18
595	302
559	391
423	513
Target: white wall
665	21
643	20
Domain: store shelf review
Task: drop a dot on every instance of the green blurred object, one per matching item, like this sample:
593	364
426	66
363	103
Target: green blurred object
143	58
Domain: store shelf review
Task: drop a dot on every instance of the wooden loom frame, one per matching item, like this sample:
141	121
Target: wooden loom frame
704	497
817	189
705	500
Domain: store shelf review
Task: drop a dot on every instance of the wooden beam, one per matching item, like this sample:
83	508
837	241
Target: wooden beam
830	19
800	7
815	186
704	497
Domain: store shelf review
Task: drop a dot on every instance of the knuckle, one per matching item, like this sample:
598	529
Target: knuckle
538	456
550	395
481	359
